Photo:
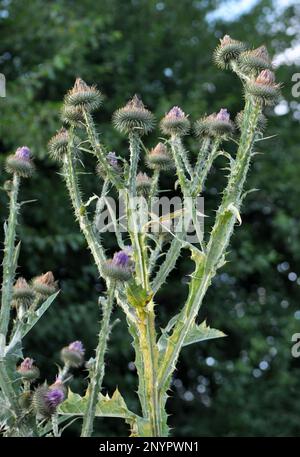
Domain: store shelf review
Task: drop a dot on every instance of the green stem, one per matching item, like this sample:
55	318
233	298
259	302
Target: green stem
98	370
177	151
203	167
216	248
9	263
80	210
99	151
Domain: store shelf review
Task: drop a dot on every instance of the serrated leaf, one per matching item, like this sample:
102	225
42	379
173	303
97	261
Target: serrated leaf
107	406
201	332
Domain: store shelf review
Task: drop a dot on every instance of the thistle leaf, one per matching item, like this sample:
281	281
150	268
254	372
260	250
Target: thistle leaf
201	332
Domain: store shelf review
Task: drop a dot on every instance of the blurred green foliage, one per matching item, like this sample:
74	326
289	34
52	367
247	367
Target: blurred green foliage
243	385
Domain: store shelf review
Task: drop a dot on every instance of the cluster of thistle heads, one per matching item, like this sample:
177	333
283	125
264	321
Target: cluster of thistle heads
44	399
255	69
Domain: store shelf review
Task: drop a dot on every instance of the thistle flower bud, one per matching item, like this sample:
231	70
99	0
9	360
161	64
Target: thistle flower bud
73	355
45	285
160	158
143	184
28	371
255	60
45	400
58	145
83	96
72	115
261	123
264	89
120	267
22	293
175	122
228	50
113	162
217	124
20	162
133	117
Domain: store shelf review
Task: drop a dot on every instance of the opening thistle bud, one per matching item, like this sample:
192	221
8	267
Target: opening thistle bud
255	61
228	50
58	145
83	96
73	355
45	285
217	124
264	89
160	158
20	162
28	371
175	122
45	400
120	267
134	117
143	184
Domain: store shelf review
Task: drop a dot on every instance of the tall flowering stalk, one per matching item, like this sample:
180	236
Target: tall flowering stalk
137	270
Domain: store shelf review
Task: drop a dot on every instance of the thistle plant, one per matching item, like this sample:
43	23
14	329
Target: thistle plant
27	408
147	245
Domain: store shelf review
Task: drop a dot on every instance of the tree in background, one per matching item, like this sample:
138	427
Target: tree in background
163	49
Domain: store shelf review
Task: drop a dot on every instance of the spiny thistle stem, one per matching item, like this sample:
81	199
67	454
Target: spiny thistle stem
98	371
217	245
177	151
79	208
9	261
98	149
202	169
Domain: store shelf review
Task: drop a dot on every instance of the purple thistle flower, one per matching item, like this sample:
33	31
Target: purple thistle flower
27	364
121	259
77	346
112	159
176	112
23	153
54	397
223	115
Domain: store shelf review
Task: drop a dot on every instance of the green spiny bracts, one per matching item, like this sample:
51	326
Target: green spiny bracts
134	117
72	115
45	400
143	185
227	51
120	267
175	122
254	61
159	158
58	145
20	163
28	371
261	122
264	89
84	97
23	293
45	285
